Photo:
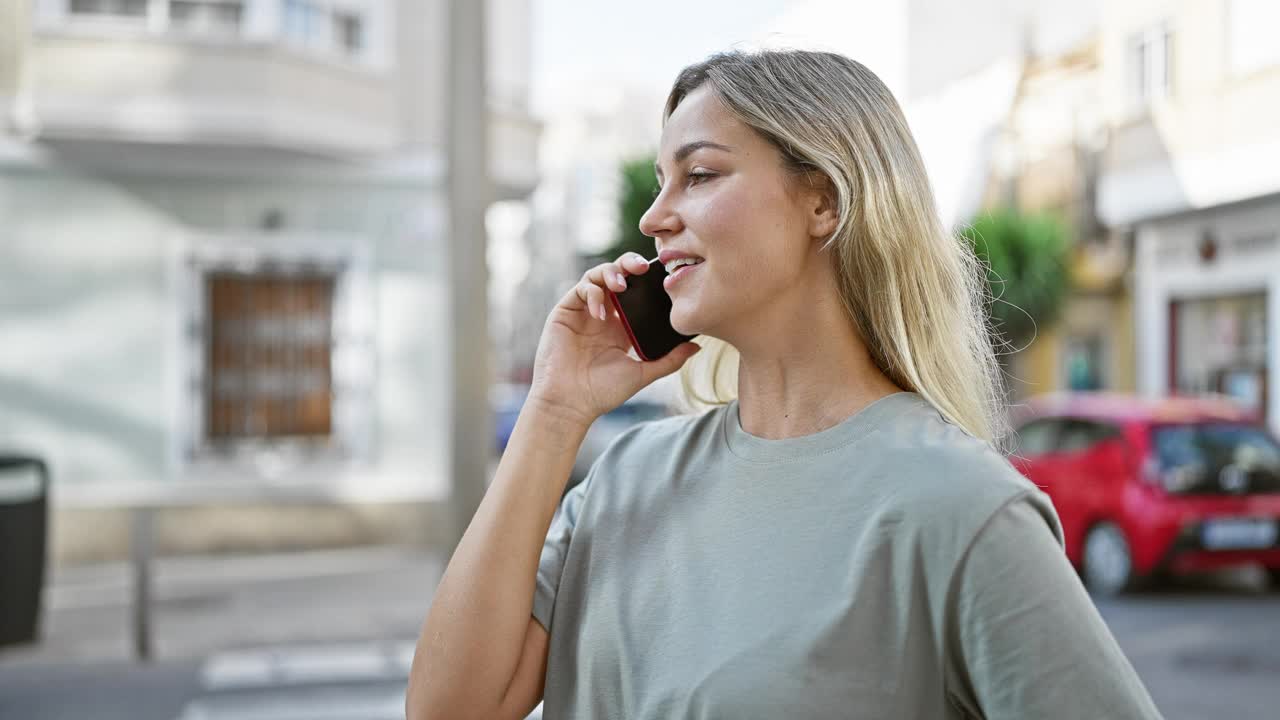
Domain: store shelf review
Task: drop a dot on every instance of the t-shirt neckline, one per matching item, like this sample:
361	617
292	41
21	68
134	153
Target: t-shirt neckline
853	428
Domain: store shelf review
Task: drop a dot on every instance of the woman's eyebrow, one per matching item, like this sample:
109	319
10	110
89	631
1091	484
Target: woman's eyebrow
688	148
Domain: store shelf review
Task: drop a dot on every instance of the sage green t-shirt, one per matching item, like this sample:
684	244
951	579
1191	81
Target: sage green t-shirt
890	566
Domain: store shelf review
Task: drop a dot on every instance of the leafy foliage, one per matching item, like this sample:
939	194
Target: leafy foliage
1026	256
639	188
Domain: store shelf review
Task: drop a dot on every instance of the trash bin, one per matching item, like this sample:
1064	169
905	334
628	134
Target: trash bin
24	493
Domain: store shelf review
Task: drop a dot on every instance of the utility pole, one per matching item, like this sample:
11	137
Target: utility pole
470	192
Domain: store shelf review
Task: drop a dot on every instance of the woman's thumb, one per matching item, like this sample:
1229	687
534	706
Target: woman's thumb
670	362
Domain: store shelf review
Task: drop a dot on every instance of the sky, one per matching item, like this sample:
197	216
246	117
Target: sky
643	42
585	51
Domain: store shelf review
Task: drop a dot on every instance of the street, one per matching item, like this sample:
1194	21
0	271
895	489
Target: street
329	636
1206	647
316	635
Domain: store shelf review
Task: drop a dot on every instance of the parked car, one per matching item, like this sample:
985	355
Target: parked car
1148	487
507	400
609	426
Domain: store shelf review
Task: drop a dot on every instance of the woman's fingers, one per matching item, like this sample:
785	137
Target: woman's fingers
612	275
597	302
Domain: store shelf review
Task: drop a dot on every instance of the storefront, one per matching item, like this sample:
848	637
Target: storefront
1219	345
1208	304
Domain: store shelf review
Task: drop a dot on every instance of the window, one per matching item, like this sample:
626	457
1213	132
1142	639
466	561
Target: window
348	30
269	355
1150	64
302	22
1083	360
206	17
1036	438
1219	345
1080	435
1199	454
330	28
110	8
313	24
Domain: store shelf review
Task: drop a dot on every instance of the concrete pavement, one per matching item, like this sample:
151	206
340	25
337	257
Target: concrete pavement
329	636
205	605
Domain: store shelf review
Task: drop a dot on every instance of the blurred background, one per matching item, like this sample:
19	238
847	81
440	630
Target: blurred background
273	273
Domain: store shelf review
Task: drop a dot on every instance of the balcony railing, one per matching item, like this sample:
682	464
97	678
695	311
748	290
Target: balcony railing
346	32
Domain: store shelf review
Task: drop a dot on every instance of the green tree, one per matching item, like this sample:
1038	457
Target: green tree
639	188
1026	256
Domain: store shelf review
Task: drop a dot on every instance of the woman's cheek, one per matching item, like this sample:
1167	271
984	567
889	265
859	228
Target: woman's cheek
723	215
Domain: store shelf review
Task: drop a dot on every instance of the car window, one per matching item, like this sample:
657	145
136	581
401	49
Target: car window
1036	437
1080	435
638	412
1208	448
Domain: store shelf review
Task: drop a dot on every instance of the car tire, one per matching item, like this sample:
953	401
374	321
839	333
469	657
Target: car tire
1108	561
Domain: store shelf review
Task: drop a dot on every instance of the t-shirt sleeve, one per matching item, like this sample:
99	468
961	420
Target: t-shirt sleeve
554	550
1025	640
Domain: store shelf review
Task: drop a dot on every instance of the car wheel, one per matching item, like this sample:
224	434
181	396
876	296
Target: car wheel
1108	562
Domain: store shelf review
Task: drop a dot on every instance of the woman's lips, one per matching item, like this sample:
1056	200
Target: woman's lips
678	276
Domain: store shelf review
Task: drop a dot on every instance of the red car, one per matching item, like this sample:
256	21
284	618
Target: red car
1153	487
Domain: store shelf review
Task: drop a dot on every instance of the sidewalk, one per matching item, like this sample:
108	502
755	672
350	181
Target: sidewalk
323	635
208	605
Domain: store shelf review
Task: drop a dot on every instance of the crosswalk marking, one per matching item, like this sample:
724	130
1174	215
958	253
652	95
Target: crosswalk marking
382	702
356	681
299	665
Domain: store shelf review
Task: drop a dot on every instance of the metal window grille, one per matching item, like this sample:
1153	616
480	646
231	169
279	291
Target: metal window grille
269	355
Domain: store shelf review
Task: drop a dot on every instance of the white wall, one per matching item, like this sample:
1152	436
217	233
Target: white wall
1200	146
93	370
1168	268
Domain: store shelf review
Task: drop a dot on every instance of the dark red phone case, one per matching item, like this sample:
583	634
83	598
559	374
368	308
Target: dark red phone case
645	310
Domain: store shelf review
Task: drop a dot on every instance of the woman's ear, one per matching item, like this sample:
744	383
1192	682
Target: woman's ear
823	213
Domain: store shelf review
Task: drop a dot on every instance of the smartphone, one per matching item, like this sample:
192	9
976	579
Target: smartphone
645	309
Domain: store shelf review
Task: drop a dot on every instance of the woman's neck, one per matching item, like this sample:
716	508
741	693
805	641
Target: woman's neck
800	377
783	397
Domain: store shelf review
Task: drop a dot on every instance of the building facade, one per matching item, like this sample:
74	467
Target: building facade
224	261
1046	159
1151	136
1192	97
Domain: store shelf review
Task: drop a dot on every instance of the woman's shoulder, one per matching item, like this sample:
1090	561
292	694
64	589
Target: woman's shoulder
671	433
941	474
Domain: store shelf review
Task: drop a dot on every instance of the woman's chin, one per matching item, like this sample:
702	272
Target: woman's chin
682	322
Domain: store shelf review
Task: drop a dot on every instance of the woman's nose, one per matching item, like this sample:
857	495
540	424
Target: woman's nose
659	219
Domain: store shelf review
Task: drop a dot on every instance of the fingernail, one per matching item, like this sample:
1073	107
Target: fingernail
600	313
622	282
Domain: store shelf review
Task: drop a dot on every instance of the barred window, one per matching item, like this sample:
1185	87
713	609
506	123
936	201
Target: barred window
269	355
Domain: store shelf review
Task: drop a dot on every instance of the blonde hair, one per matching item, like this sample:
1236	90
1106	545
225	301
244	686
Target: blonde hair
915	292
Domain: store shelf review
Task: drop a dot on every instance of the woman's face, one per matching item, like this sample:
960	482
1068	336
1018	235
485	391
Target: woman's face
724	198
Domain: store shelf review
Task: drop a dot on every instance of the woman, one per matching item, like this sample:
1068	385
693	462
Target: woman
842	538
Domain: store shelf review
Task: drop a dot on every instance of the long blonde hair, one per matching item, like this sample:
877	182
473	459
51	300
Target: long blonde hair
915	292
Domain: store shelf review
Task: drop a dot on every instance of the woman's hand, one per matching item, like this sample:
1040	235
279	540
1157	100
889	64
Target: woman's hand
582	369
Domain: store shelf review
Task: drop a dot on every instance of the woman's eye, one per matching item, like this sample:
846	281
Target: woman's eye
695	178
